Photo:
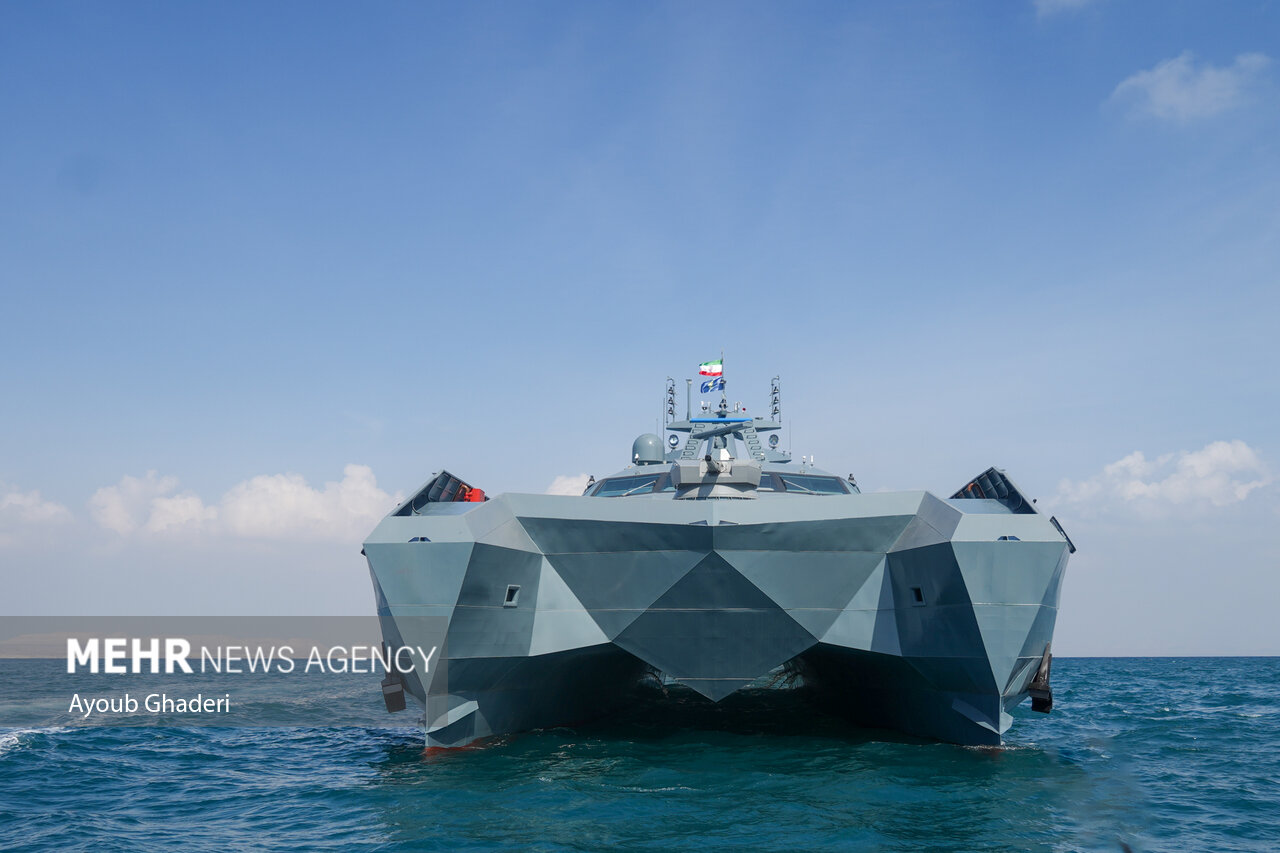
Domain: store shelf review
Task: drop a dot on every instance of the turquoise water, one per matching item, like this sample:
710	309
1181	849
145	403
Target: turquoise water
1153	754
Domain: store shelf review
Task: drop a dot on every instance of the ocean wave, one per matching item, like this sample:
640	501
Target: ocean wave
13	739
760	773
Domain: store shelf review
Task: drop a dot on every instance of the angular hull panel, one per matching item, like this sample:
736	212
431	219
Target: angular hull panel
900	609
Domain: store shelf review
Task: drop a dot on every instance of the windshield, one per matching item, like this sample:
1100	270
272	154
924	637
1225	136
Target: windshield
804	483
621	486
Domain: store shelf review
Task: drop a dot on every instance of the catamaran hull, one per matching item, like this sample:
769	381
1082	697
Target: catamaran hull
900	610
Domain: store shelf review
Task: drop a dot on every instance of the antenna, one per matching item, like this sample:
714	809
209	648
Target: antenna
775	399
669	404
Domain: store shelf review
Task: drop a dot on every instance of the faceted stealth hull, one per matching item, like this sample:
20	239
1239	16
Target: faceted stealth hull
902	610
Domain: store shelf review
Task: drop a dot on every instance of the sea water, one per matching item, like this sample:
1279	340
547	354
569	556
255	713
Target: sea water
1139	754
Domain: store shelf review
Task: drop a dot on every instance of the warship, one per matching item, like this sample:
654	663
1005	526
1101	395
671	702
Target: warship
717	561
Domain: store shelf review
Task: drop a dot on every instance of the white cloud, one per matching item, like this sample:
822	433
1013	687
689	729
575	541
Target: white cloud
269	506
284	506
1045	8
1218	474
20	509
1179	89
180	511
126	506
30	508
568	484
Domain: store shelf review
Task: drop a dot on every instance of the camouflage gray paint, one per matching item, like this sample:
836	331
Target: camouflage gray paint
900	609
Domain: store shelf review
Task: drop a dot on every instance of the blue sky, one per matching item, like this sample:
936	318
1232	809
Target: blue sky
246	246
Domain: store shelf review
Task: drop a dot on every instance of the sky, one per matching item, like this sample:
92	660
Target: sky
265	267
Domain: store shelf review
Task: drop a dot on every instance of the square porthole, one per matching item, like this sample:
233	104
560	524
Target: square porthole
513	596
917	596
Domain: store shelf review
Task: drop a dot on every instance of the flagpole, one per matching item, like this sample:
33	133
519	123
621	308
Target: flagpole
724	383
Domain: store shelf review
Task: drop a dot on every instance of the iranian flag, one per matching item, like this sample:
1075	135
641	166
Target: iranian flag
711	368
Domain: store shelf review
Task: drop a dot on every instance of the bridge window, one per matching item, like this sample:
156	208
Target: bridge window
804	483
621	486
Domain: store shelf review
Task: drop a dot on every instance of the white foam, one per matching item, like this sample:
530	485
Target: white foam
11	739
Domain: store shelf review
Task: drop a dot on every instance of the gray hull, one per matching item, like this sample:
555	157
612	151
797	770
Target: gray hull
900	610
